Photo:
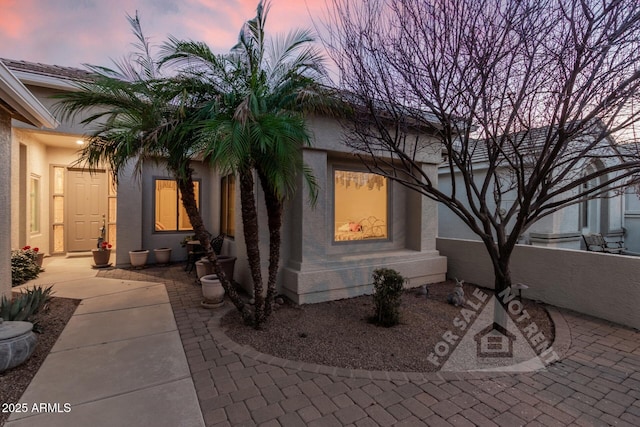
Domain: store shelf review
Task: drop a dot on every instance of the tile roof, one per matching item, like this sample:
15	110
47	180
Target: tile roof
56	71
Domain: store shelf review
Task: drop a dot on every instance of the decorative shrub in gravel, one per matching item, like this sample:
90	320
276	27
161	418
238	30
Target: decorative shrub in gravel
24	266
387	293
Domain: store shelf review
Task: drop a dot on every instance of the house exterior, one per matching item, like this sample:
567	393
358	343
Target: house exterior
17	105
561	229
360	222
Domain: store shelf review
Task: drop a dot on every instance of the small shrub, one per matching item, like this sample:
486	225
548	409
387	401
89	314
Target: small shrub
25	305
24	266
387	291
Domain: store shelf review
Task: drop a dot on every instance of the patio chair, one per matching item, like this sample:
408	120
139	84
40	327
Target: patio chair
198	252
595	242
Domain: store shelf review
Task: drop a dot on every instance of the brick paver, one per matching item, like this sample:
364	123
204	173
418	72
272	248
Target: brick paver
596	381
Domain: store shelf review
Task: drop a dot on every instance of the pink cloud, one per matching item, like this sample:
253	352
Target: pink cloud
73	32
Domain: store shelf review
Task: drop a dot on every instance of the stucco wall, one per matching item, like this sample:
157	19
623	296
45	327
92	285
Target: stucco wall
600	285
319	268
135	224
38	161
36	164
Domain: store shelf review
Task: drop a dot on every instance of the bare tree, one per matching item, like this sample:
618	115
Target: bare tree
521	96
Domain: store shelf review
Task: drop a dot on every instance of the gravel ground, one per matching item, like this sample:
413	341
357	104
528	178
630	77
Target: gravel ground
338	334
52	320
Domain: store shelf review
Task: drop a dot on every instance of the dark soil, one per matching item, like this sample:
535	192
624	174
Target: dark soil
338	333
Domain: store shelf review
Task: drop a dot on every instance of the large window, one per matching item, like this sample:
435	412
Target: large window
228	205
361	206
170	215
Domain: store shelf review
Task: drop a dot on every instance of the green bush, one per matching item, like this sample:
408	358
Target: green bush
387	291
25	305
24	266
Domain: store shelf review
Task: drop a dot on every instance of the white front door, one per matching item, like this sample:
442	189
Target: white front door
87	207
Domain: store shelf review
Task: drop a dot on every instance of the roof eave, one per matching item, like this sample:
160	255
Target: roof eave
22	102
43	80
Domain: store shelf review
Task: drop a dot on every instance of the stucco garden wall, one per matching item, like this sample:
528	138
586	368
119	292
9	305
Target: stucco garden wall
601	285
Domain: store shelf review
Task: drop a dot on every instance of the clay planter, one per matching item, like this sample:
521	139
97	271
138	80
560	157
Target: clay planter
17	343
101	257
138	257
203	268
227	264
163	255
212	291
39	259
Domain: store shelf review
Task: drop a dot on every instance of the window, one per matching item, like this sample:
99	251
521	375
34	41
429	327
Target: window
170	214
58	213
34	204
361	206
228	205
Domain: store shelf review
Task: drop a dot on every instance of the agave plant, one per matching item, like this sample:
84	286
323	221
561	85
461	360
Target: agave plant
24	306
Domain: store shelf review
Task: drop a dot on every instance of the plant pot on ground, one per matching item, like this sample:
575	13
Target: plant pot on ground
138	258
227	264
163	255
212	291
101	257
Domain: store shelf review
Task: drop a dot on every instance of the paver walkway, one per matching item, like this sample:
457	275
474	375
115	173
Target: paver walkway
596	383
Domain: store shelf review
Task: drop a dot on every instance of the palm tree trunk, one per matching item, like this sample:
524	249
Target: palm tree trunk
274	215
189	203
252	240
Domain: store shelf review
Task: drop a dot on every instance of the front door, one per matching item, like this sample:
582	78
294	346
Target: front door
87	207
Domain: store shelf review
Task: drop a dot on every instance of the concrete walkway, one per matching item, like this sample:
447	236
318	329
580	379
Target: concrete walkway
597	381
118	362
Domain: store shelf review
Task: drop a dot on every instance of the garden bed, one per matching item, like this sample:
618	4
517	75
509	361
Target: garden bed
338	333
52	321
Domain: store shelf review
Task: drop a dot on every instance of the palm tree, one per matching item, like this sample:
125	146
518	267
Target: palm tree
141	116
257	125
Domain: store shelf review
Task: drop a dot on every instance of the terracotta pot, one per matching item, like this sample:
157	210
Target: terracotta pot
212	291
227	264
138	257
101	257
203	268
40	259
163	255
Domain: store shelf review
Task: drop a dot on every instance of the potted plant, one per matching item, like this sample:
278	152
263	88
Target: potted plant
39	257
101	255
138	258
163	255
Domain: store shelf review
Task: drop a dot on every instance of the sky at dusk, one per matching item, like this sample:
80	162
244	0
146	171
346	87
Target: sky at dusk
75	32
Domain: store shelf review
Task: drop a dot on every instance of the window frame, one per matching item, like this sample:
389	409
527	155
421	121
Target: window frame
35	204
224	204
178	204
389	222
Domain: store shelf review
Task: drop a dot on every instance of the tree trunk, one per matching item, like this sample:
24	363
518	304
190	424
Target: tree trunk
502	274
274	215
252	241
191	207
